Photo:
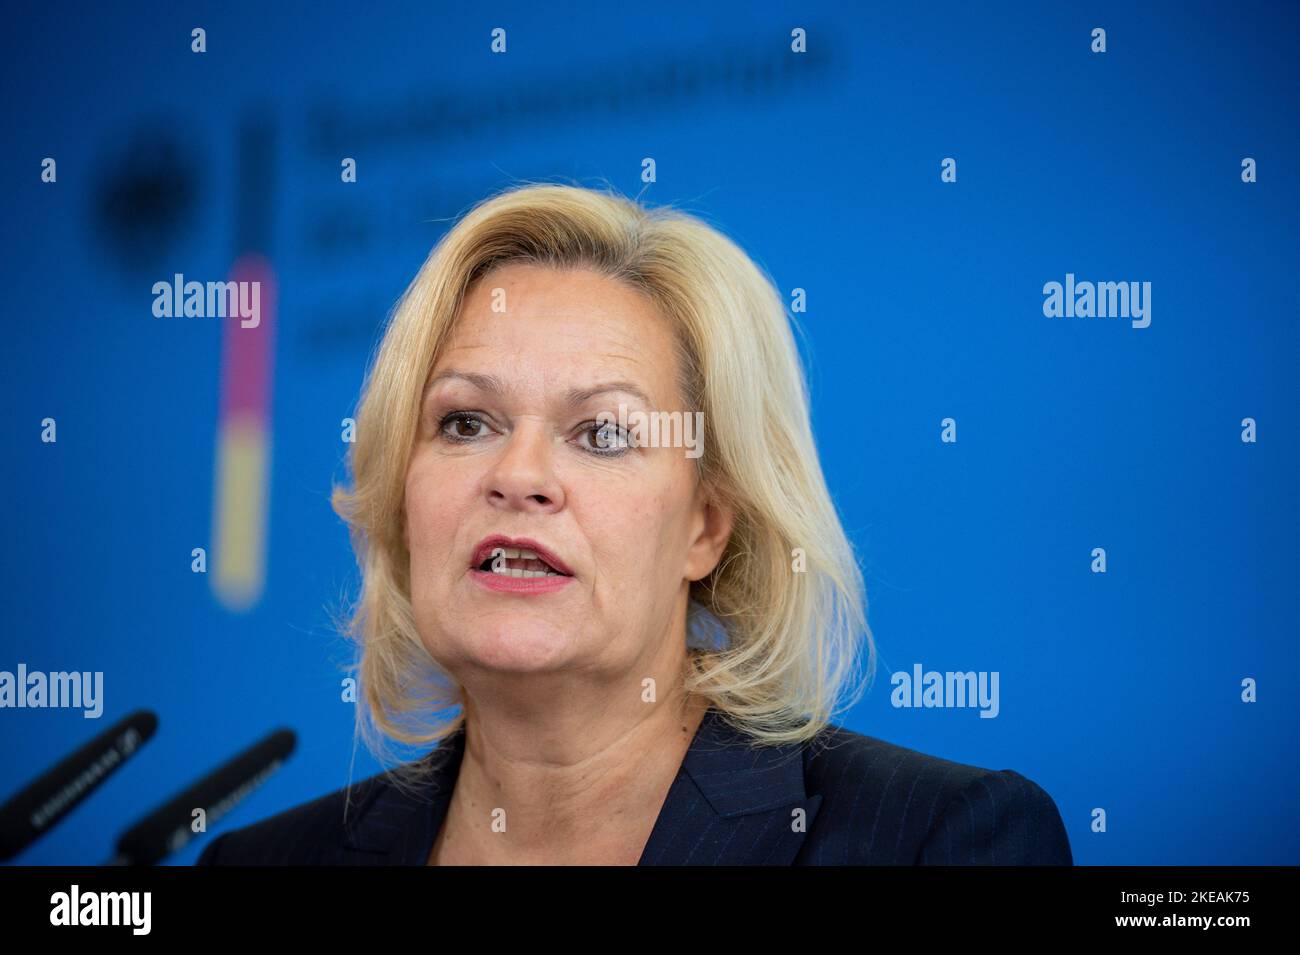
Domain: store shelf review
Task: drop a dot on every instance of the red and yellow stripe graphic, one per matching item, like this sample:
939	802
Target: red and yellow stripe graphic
243	475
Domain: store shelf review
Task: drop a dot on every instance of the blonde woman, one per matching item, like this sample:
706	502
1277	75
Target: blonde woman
604	583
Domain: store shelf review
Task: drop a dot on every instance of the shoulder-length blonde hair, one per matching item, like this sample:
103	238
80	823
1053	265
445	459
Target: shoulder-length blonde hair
788	590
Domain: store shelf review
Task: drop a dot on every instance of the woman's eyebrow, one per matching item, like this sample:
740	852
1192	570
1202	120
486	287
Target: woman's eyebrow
577	396
574	396
482	382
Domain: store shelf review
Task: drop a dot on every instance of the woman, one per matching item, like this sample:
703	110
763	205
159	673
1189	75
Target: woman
626	635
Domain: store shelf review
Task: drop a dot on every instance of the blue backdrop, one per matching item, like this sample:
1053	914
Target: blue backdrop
1120	691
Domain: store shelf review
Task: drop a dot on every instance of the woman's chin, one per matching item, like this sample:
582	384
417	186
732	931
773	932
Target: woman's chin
524	646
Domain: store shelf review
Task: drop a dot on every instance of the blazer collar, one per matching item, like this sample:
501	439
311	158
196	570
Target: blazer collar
732	802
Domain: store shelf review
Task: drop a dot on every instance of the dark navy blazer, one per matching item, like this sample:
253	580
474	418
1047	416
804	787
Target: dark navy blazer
865	802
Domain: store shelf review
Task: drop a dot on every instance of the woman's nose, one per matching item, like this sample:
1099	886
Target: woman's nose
523	477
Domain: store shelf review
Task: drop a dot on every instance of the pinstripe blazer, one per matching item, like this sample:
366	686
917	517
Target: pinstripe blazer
864	801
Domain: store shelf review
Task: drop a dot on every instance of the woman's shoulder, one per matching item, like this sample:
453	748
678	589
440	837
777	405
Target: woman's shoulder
317	832
906	806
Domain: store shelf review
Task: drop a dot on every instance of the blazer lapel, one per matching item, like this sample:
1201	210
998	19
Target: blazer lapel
733	803
395	826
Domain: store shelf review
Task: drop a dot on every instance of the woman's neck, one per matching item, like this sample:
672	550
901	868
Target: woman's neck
588	796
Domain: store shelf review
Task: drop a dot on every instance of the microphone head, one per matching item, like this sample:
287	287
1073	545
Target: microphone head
170	827
41	805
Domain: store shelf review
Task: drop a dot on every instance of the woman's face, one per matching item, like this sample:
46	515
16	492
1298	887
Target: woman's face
510	445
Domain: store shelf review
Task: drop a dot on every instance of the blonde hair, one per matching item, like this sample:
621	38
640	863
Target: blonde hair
794	637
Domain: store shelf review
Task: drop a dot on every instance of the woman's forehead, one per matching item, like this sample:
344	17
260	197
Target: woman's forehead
560	332
576	296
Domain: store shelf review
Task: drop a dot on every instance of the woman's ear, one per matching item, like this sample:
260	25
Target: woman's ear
714	525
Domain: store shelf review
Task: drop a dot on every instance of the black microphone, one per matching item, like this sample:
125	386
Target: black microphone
34	811
168	828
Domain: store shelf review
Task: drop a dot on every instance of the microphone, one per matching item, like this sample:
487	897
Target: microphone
34	811
168	828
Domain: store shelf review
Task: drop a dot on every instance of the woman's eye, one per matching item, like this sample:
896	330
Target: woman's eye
605	438
461	426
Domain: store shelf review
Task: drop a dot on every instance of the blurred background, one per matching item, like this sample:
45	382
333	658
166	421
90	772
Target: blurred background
1119	690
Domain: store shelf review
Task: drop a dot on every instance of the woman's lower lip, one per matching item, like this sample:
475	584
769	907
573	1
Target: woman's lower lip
519	585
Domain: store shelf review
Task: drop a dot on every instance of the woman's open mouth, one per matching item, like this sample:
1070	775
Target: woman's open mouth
518	562
518	566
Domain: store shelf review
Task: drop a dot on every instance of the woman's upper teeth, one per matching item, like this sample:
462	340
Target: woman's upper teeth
520	562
